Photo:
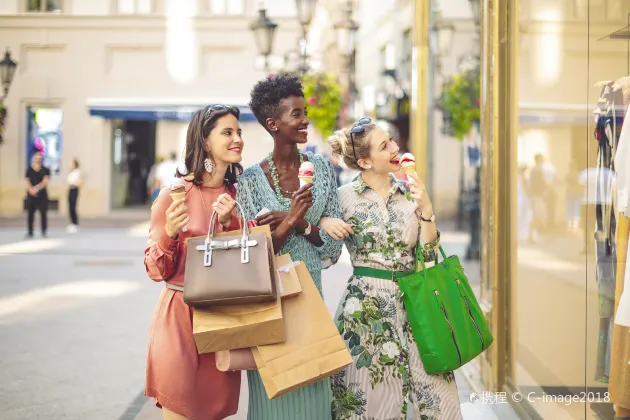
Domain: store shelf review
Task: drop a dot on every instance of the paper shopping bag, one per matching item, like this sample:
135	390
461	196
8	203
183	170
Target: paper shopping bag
243	359
289	281
240	326
313	348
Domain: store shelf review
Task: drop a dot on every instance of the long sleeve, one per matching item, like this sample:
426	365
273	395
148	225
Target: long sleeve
430	250
330	250
244	198
159	256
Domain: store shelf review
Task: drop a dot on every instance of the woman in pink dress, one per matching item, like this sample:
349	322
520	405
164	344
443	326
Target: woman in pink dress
185	384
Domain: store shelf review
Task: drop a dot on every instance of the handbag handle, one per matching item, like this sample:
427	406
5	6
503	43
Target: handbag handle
211	244
420	258
211	226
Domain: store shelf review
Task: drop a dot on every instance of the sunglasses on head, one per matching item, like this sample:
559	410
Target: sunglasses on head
358	128
217	107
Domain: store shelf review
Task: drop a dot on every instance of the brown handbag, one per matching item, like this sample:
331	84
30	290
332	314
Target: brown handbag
236	268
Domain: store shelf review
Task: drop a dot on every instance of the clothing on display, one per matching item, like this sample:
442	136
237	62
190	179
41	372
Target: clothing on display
608	125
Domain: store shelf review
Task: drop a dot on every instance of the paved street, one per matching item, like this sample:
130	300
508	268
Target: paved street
74	319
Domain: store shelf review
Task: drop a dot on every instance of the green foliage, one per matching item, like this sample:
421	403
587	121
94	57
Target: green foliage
323	99
460	102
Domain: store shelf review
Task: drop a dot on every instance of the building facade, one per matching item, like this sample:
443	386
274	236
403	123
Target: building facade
554	97
114	84
383	76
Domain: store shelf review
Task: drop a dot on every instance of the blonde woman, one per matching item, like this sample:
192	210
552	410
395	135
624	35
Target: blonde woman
390	219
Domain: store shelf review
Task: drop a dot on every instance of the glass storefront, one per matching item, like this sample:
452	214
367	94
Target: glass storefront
555	194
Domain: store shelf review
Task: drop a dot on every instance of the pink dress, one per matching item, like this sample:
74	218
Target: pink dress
180	379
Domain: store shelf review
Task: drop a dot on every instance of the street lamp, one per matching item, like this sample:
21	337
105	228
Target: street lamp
346	31
7	71
445	32
475	5
306	10
264	30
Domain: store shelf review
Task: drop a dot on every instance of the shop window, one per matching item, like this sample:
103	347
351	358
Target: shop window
226	7
45	6
131	7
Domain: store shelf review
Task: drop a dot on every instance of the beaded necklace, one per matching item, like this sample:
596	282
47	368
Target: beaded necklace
276	183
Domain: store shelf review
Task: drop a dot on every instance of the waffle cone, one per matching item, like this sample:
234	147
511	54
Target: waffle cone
305	180
178	196
409	168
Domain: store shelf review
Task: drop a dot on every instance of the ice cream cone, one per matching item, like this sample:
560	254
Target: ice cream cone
409	168
178	192
178	196
305	180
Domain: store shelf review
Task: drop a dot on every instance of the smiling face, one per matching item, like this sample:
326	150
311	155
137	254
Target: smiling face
225	141
383	156
293	122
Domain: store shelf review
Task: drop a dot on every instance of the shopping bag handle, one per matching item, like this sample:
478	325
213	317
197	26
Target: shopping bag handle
420	258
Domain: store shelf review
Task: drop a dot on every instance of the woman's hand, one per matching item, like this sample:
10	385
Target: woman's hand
336	228
224	206
301	202
420	196
176	218
273	219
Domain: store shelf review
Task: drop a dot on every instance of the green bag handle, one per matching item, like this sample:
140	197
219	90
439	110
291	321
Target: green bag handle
420	258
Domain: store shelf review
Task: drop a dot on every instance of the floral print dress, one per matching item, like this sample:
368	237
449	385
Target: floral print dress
386	380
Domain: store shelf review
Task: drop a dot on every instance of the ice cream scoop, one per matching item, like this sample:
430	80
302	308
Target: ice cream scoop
178	192
306	173
408	163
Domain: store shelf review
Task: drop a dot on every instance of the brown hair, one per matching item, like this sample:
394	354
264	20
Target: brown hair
202	123
341	144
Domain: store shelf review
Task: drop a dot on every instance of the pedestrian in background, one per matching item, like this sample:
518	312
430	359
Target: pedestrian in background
37	176
75	181
185	384
152	180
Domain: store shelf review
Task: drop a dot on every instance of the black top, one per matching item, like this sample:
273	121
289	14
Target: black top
35	177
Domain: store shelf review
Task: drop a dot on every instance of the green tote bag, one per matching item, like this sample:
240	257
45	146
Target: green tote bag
446	321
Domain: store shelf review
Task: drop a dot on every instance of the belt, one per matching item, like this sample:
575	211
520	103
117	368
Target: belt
173	287
380	274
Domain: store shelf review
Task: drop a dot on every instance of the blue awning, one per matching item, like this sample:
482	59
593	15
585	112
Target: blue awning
158	113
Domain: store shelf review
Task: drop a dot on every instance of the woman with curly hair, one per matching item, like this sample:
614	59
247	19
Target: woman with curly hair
294	214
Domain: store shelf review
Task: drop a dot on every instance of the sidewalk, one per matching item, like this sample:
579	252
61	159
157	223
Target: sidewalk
118	219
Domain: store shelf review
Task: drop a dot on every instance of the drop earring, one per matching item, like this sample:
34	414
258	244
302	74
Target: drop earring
207	163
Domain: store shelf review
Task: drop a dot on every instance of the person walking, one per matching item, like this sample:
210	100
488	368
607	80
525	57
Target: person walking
37	177
294	214
75	181
185	384
390	219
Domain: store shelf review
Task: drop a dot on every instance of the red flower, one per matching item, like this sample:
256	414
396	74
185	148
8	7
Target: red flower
311	101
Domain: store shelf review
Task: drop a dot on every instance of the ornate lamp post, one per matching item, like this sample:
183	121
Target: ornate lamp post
475	5
306	11
346	32
264	30
7	71
474	204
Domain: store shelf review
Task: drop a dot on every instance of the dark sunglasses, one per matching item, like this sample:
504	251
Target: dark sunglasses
356	129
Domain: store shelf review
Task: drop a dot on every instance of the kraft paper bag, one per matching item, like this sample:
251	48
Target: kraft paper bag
240	326
243	359
313	349
289	281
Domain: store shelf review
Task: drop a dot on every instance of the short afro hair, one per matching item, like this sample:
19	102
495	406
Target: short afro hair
267	94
